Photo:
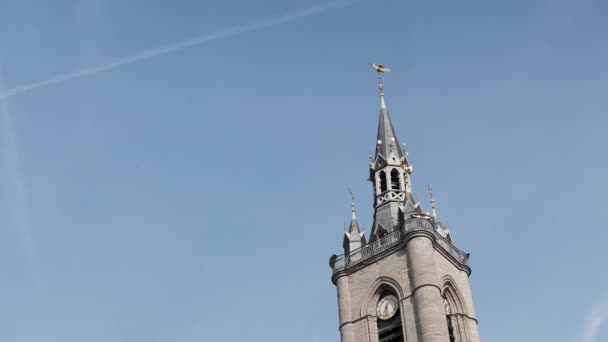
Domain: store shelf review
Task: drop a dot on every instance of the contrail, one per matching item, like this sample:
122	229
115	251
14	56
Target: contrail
10	151
180	45
597	318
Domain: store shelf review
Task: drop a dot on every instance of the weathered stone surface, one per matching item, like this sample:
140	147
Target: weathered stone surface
418	274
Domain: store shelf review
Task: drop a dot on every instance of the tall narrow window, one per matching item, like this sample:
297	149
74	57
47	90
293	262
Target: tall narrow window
450	329
448	313
395	180
382	181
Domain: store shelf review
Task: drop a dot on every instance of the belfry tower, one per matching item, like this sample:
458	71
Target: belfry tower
407	281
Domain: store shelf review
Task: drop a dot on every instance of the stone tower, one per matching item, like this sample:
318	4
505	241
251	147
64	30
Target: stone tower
407	282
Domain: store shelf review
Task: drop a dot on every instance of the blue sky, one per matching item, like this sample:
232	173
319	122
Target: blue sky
178	171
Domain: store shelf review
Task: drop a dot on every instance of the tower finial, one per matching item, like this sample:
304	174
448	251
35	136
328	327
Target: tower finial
380	69
352	203
432	201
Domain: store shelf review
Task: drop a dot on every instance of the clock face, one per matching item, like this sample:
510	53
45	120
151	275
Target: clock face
387	307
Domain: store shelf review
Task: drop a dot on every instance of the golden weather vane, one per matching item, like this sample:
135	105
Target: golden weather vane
380	69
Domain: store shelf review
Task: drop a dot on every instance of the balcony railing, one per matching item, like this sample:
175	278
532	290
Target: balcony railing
345	261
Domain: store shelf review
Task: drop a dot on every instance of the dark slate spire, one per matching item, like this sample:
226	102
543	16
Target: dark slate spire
390	173
387	139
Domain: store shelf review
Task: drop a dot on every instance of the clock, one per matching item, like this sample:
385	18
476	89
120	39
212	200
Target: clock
387	307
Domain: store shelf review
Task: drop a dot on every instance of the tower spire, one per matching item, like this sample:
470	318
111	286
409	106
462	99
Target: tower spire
387	139
390	172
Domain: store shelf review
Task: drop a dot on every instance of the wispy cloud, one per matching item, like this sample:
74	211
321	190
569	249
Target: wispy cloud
13	166
176	46
596	319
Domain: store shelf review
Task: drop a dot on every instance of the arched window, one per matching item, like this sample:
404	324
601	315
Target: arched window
382	181
395	180
389	321
453	307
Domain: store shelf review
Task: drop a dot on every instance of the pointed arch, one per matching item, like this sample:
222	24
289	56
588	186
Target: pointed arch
389	328
368	305
455	310
453	295
395	179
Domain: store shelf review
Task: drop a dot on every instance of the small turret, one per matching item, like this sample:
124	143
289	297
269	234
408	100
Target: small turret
354	237
442	229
